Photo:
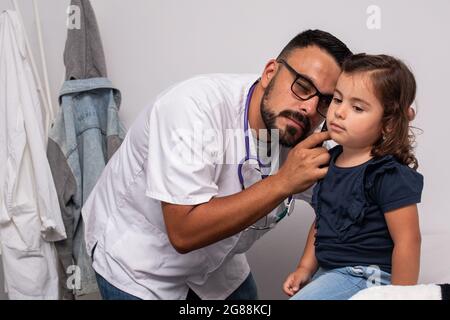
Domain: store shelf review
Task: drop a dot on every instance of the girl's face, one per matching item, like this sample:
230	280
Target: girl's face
354	116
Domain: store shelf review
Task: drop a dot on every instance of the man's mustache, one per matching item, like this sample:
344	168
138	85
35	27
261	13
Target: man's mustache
298	117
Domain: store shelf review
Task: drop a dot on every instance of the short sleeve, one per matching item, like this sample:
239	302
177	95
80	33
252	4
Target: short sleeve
180	168
398	187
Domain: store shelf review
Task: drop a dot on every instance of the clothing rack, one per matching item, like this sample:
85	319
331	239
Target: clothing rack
44	95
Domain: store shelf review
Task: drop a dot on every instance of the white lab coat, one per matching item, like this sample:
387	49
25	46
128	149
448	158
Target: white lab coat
30	218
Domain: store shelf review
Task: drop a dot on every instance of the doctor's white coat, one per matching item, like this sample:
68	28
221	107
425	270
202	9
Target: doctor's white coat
30	218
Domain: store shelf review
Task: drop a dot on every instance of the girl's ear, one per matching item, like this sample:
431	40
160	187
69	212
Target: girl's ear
387	129
411	114
269	72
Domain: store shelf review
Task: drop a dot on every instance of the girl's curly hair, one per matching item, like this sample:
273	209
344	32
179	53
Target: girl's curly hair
395	87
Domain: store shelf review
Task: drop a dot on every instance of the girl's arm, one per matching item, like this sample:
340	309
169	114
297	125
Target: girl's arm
308	260
306	268
403	226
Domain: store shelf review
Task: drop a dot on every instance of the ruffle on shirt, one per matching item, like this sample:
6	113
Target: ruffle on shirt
362	196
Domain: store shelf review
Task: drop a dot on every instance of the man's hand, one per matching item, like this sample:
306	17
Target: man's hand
302	167
296	280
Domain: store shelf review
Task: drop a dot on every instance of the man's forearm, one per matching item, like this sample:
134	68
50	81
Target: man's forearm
221	218
193	227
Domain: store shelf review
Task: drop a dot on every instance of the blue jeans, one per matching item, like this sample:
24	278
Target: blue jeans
109	292
341	283
246	291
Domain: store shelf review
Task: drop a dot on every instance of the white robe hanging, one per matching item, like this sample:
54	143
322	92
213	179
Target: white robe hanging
30	217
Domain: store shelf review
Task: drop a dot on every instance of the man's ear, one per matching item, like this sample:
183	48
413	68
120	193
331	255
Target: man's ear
269	72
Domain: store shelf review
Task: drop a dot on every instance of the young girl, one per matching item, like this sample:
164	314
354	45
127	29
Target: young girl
366	230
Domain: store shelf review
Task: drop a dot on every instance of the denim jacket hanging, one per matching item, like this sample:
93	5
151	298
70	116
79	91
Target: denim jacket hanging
84	136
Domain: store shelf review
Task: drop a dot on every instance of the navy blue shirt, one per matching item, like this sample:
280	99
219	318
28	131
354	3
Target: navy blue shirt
350	204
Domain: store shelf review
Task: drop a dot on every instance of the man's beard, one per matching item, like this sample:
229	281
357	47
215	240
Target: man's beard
287	136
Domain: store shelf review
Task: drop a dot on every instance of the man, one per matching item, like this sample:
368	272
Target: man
171	217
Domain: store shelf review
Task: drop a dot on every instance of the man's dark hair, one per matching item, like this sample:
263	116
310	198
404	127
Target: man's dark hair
324	40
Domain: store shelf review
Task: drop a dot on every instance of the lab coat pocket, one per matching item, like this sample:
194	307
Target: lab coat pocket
22	230
26	272
25	265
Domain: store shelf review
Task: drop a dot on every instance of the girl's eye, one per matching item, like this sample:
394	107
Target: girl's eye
358	109
337	100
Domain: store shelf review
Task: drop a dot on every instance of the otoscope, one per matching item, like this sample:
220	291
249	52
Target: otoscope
324	128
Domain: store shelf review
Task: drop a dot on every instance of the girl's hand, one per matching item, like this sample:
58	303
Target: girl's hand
297	280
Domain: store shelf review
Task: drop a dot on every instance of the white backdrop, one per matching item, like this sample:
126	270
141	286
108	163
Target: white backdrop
149	45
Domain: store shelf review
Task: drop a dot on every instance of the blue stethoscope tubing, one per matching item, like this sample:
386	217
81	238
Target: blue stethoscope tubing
247	142
247	139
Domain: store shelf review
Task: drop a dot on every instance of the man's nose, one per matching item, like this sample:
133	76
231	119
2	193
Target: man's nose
309	106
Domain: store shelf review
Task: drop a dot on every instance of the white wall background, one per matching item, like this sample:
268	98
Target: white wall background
149	45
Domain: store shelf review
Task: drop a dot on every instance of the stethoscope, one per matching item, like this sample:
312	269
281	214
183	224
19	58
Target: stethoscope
289	203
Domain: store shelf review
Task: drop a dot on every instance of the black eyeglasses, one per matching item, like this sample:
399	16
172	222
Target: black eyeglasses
304	89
